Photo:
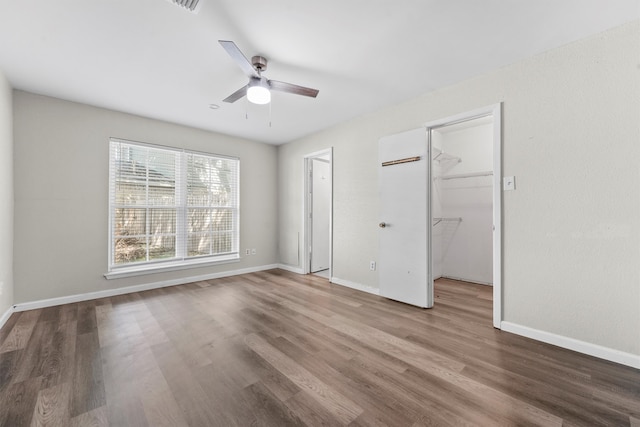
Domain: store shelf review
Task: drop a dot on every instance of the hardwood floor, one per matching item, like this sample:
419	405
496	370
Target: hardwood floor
276	349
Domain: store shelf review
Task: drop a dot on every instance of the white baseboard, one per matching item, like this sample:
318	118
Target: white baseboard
32	305
5	316
291	268
356	286
594	350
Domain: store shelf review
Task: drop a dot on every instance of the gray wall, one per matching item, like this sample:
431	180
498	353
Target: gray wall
6	196
61	194
571	229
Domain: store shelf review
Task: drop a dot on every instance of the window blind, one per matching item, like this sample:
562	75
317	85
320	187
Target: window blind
170	205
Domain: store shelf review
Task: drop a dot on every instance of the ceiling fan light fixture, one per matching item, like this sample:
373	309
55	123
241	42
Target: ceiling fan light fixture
258	91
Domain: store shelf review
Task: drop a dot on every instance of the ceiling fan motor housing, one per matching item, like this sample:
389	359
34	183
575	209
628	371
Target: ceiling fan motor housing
259	63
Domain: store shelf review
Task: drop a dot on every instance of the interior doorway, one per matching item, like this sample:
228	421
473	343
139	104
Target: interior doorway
407	212
462	201
465	176
318	213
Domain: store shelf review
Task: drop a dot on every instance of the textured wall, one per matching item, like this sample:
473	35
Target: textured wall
571	231
61	189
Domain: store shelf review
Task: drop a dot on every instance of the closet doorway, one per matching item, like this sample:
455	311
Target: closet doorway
466	201
318	213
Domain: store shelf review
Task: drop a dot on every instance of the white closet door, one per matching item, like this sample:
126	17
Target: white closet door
404	219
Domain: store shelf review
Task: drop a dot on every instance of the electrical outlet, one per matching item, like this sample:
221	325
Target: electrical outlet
253	251
247	251
372	266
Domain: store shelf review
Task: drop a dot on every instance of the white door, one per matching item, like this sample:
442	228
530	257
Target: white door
405	231
320	213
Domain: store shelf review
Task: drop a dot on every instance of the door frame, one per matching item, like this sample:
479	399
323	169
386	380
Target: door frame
306	240
495	111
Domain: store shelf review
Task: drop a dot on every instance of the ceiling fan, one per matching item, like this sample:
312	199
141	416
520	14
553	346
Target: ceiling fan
258	90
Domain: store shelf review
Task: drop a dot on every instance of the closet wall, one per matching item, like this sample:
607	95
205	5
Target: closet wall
462	202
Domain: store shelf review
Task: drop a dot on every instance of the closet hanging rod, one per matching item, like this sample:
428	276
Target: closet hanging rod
466	175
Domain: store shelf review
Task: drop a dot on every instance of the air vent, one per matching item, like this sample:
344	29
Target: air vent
190	5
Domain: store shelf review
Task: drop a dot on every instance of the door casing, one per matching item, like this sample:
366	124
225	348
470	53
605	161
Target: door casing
306	255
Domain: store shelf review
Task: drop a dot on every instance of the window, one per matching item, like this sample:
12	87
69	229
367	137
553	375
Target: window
170	208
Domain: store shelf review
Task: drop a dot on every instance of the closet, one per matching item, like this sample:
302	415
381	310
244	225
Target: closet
462	201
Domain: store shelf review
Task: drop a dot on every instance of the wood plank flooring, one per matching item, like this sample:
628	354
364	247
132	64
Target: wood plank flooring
277	349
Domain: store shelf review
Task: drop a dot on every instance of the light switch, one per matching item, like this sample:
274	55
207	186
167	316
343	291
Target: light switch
509	183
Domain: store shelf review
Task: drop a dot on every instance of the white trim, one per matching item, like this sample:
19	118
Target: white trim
594	350
495	111
463	117
32	305
291	268
356	286
496	114
169	266
6	315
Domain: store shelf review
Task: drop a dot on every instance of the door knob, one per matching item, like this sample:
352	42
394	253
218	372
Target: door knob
382	225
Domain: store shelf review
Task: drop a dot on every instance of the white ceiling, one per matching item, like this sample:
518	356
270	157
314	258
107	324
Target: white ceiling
155	59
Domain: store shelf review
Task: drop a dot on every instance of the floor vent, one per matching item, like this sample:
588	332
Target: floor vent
190	5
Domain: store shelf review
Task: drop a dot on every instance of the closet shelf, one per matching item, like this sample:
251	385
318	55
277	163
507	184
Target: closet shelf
465	175
438	220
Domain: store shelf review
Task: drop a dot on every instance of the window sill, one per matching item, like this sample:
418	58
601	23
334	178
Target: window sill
164	267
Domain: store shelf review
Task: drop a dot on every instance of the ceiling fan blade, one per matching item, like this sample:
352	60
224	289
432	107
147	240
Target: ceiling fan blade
291	88
236	95
239	57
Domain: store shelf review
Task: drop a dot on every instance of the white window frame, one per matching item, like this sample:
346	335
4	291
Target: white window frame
182	260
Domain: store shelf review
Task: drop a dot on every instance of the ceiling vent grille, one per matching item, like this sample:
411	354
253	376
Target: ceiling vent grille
190	5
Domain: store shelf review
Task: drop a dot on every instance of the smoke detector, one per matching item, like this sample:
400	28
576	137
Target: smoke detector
190	5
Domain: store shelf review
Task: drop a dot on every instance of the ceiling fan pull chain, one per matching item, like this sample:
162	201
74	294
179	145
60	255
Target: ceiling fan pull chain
270	104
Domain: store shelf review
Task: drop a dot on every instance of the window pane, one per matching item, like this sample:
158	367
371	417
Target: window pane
199	220
131	193
222	242
162	247
163	221
209	243
144	176
199	244
130	249
131	171
222	220
130	222
162	193
211	181
162	178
